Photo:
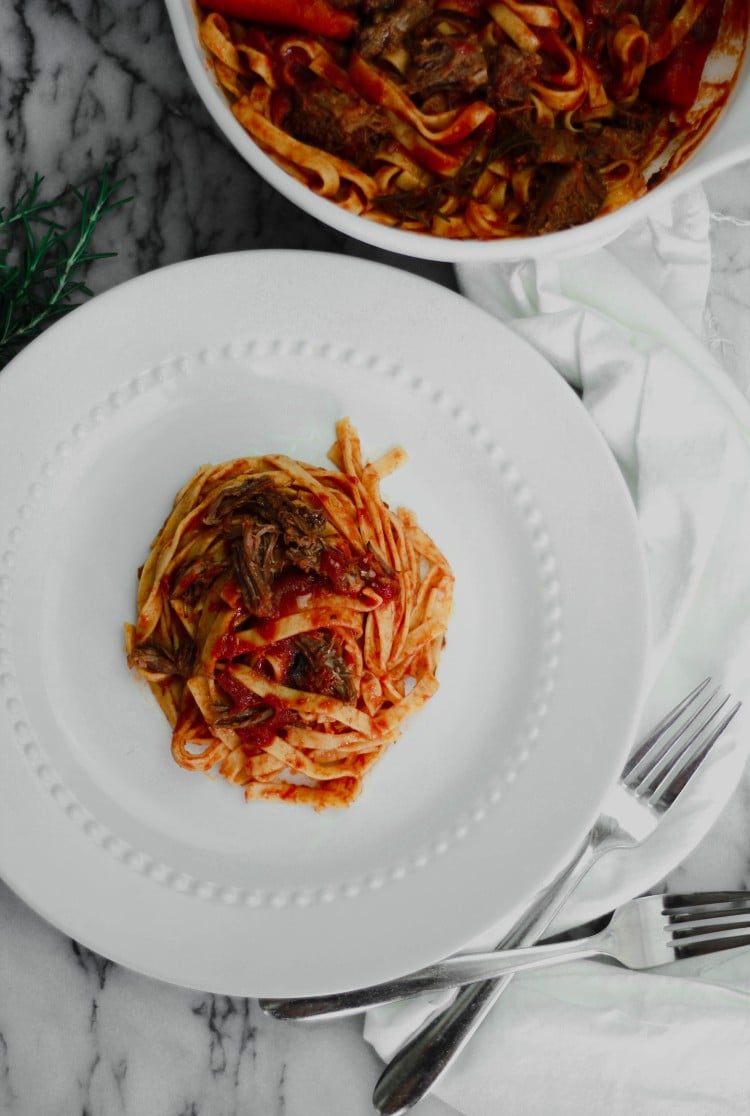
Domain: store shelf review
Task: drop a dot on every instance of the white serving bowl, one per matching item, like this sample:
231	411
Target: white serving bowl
727	144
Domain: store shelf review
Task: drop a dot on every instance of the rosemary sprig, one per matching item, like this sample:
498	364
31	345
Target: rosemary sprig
44	250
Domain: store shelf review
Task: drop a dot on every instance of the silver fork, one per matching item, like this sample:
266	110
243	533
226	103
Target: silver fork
649	784
641	934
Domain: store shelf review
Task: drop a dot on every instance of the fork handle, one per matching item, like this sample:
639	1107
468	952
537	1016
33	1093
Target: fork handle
418	1065
460	969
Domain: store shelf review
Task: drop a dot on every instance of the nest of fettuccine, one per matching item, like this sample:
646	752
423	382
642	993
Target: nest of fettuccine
288	622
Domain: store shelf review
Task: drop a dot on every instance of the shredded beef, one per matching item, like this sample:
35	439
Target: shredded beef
192	579
240	498
268	530
257	560
626	137
319	666
257	499
570	195
152	659
256	715
440	63
325	117
613	144
552	145
595	147
390	26
510	72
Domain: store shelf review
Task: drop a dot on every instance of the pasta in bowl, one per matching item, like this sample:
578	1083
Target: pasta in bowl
465	129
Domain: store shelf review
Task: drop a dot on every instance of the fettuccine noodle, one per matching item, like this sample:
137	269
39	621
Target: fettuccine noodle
288	622
476	119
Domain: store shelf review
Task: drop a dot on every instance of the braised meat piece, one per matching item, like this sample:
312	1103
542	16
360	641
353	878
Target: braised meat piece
390	25
301	522
192	579
255	715
257	560
570	195
327	118
241	498
319	666
510	72
440	63
551	145
151	659
626	138
268	529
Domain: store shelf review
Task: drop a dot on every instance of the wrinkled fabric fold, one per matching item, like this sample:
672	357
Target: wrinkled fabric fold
590	1038
625	327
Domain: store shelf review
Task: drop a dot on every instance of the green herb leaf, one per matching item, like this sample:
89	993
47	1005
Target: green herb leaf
44	250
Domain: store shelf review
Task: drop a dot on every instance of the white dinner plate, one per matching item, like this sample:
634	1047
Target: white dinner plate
492	784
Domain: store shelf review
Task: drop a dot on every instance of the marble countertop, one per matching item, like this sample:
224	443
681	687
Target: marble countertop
83	84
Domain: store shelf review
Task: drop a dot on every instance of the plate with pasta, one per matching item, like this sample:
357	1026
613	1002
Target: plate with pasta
323	623
289	622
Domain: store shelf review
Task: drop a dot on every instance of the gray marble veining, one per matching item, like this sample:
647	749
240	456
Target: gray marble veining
89	82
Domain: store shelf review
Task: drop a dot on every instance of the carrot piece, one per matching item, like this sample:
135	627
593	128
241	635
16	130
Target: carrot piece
317	17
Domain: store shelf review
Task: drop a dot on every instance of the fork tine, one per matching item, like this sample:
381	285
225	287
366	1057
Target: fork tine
697	945
708	921
639	758
690	759
660	773
705	904
703	929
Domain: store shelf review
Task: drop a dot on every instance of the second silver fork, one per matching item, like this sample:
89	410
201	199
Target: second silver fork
641	934
649	784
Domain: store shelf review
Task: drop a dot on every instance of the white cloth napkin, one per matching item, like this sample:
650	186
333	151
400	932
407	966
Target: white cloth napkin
624	325
592	1039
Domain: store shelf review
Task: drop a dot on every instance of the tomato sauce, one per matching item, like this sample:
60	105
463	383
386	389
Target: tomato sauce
257	737
676	80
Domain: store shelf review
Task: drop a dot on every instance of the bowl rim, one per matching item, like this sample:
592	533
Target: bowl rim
594	234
